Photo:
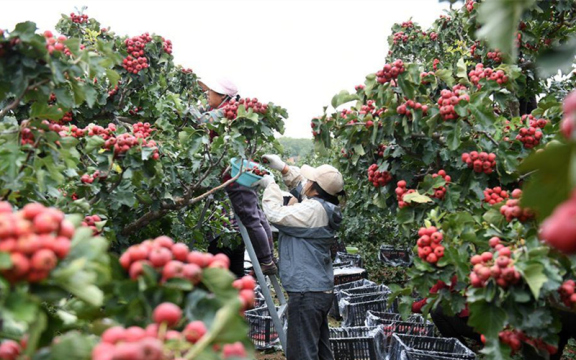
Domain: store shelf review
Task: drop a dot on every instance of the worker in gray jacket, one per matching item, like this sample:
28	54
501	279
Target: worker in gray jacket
307	231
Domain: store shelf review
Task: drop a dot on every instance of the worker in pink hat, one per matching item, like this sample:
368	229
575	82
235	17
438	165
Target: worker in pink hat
244	199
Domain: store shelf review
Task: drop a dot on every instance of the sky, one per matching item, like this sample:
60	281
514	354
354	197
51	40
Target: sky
297	54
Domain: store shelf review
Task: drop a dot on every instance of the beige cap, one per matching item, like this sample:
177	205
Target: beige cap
221	86
328	177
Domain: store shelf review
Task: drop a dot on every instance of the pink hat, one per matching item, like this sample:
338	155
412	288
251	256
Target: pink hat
221	86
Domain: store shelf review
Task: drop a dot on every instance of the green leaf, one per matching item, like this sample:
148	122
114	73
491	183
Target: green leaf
72	346
535	278
25	31
486	318
406	86
461	69
416	197
558	58
5	261
499	19
113	76
446	76
342	98
64	97
219	282
41	110
94	142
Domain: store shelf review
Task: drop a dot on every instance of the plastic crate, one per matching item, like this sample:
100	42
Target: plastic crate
408	347
342	257
375	318
349	274
357	343
259	300
334	311
364	290
392	256
261	328
354	309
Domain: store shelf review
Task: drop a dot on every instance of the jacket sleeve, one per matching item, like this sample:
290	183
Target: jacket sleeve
292	178
307	214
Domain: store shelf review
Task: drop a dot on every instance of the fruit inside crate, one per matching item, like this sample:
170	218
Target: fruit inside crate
261	328
392	256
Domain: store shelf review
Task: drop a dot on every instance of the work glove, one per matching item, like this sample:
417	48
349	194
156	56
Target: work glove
274	162
264	182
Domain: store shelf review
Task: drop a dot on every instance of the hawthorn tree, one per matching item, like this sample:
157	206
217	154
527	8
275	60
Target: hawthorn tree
452	142
106	126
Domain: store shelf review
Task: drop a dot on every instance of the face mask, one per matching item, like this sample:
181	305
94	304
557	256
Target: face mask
304	184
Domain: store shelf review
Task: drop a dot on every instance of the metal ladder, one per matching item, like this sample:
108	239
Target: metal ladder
275	315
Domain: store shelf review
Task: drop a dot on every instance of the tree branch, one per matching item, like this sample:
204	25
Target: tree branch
488	136
16	101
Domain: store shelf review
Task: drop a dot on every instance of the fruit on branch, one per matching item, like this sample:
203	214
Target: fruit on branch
167	46
449	99
512	210
425	76
480	162
559	229
470	5
488	73
401	190
79	19
378	178
230	110
440	191
235	350
36	237
359	87
495	195
136	61
380	151
390	72
400	36
90	221
495	56
167	313
568	123
429	248
10	350
515	338
404	109
494	265
567	293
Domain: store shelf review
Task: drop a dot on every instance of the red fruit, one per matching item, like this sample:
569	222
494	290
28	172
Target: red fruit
234	350
192	272
152	348
505	251
439	251
180	251
194	331
45	223
164	241
44	260
517	193
61	247
220	264
247	297
437	237
483	339
494	241
113	335
196	257
502	261
138	252
476	259
221	257
484	273
248	282
432	258
401	183
20	264
31	210
125	260
66	229
173	269
167	313
103	351
134	333
128	351
486	256
160	257
137	268
559	229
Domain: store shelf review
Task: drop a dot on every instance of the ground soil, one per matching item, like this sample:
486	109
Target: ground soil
279	355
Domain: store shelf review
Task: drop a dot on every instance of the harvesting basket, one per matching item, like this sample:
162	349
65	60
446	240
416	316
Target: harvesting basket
408	347
246	179
357	343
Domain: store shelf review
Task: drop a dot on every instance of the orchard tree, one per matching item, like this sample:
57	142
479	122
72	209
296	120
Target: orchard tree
107	127
451	141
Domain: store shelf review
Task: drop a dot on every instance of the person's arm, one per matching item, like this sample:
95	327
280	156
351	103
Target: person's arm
291	176
303	215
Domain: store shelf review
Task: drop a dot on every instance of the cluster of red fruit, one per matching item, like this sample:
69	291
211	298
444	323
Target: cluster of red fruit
401	191
67	117
135	110
424	75
11	350
435	64
79	19
470	5
135	61
187	71
246	286
257	171
105	133
404	109
113	91
440	192
529	137
390	72
515	338
118	343
501	269
495	195
407	24
167	46
433	36
124	142
27	137
495	55
400	36
54	44
142	130
567	293
480	73
512	210
368	108
533	122
378	178
90	221
429	248
87	178
448	100
380	151
231	109
36	237
359	87
473	51
480	162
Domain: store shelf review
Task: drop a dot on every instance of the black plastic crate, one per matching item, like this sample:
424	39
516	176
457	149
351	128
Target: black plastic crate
357	343
339	265
261	328
354	309
408	347
354	259
371	289
334	311
375	318
349	274
259	300
392	256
